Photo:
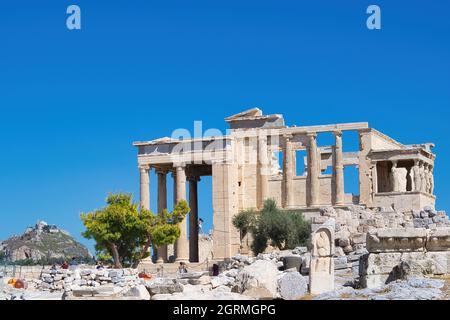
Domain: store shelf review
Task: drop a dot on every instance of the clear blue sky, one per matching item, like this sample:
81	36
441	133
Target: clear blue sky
72	102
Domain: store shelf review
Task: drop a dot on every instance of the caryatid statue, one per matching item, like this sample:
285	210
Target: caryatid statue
423	185
416	175
398	178
431	179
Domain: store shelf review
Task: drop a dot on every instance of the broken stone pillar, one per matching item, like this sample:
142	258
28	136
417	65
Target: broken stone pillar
313	169
182	242
321	272
288	171
145	187
263	168
338	169
162	204
193	219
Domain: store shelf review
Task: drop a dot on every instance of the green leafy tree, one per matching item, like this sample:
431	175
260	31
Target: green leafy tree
244	221
284	229
124	235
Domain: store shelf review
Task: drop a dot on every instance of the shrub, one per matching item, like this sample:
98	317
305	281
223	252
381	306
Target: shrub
284	229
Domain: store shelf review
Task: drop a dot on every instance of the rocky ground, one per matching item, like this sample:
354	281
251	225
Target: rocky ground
244	278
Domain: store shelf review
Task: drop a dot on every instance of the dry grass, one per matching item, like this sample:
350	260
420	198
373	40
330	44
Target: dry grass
306	297
345	296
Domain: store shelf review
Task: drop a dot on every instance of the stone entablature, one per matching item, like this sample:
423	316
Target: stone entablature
258	159
417	251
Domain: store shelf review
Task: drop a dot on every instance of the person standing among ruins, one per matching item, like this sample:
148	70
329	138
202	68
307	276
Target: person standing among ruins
200	226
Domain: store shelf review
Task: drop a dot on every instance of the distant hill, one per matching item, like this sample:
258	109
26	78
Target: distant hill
42	244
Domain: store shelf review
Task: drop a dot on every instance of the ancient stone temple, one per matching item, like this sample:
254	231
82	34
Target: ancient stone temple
259	158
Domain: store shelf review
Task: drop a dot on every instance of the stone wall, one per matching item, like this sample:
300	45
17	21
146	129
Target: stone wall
22	272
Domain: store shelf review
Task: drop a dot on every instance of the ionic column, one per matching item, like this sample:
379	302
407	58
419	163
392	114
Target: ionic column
313	169
162	204
181	244
145	198
145	187
263	168
193	219
288	171
338	169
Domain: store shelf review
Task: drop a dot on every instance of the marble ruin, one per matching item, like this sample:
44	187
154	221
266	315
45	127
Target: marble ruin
396	253
321	271
259	158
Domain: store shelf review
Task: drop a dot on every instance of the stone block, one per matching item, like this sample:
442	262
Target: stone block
358	238
344	242
292	286
320	219
163	286
397	240
340	263
379	263
423	214
419	223
115	273
373	281
439	240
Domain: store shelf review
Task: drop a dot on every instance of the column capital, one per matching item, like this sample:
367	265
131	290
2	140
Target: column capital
262	137
179	165
311	134
193	178
160	171
337	132
144	167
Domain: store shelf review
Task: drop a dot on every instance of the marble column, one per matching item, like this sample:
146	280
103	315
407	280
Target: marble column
162	204
338	169
181	244
193	219
263	168
313	170
145	187
145	200
288	171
